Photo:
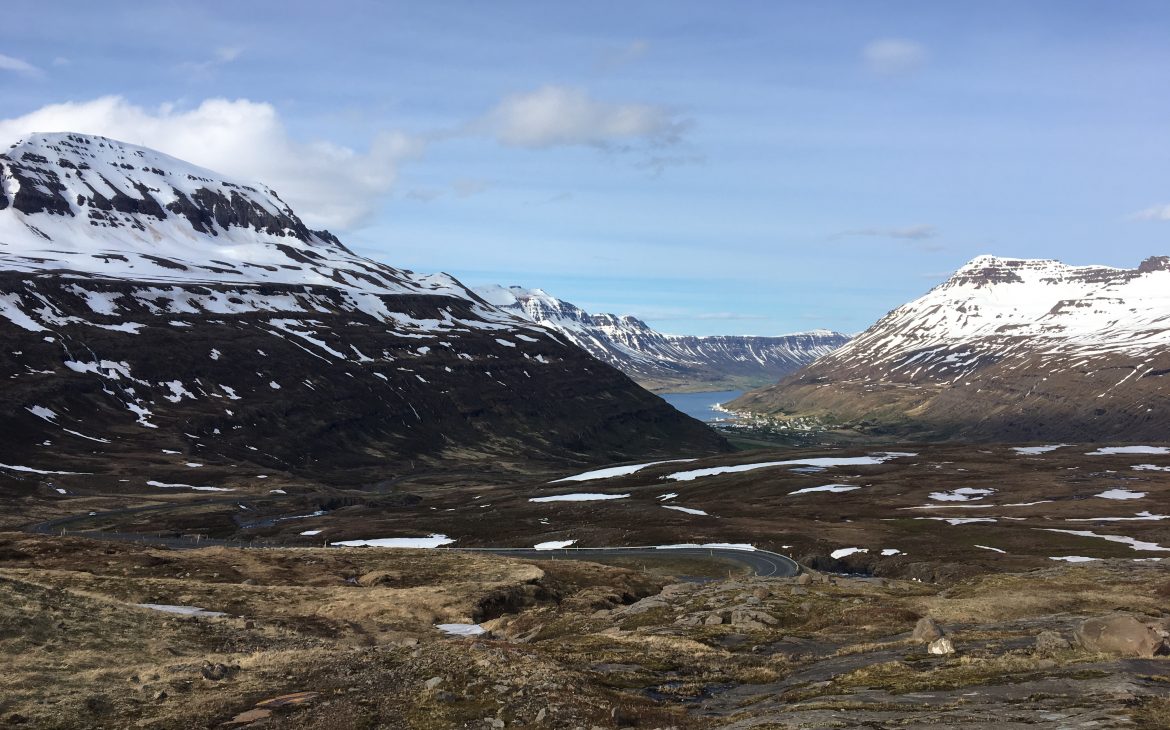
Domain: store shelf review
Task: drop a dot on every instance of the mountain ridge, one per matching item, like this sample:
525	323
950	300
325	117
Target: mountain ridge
1005	348
147	307
663	361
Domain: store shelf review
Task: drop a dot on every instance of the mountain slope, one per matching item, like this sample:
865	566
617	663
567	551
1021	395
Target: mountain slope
1006	348
150	305
666	362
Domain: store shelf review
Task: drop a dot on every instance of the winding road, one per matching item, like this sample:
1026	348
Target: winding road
763	563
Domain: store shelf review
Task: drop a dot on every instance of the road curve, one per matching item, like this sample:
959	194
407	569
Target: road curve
762	563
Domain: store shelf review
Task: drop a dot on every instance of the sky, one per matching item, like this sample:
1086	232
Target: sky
732	168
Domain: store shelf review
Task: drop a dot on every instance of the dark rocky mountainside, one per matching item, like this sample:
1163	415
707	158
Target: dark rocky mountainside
667	362
151	307
1005	349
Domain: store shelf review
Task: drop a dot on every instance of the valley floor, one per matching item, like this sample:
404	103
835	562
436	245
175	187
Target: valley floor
1008	547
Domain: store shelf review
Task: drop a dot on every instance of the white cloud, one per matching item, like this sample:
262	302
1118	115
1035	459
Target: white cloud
559	116
9	63
892	56
1153	213
328	185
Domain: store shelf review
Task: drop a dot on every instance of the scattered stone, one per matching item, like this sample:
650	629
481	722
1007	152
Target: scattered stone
927	630
941	646
747	618
249	582
1120	634
798	590
160	696
761	593
433	682
642	606
803	579
678	589
1051	642
713	619
541	715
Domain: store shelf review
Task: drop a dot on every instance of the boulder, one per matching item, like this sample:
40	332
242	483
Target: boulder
1120	634
748	618
803	579
642	606
941	646
927	630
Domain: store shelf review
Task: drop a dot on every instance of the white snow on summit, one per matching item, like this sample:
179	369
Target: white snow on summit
631	345
112	210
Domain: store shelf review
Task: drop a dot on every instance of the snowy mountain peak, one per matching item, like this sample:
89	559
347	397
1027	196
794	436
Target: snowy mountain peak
98	206
1048	348
148	305
113	184
1062	307
988	270
660	360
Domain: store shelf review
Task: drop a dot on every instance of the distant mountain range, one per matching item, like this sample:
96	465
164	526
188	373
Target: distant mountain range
667	362
148	306
1008	349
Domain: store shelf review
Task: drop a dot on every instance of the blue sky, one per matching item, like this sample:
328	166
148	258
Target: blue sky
750	167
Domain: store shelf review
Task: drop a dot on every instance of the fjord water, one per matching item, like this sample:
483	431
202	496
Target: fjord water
701	405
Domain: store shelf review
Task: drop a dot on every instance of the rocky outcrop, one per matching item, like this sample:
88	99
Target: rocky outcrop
926	631
1121	634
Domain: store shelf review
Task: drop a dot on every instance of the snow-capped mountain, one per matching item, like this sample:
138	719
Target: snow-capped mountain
147	305
660	361
1007	348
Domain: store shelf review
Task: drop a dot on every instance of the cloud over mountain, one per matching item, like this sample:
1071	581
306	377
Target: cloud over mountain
335	186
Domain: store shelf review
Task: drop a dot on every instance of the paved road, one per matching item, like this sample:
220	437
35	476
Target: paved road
761	562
